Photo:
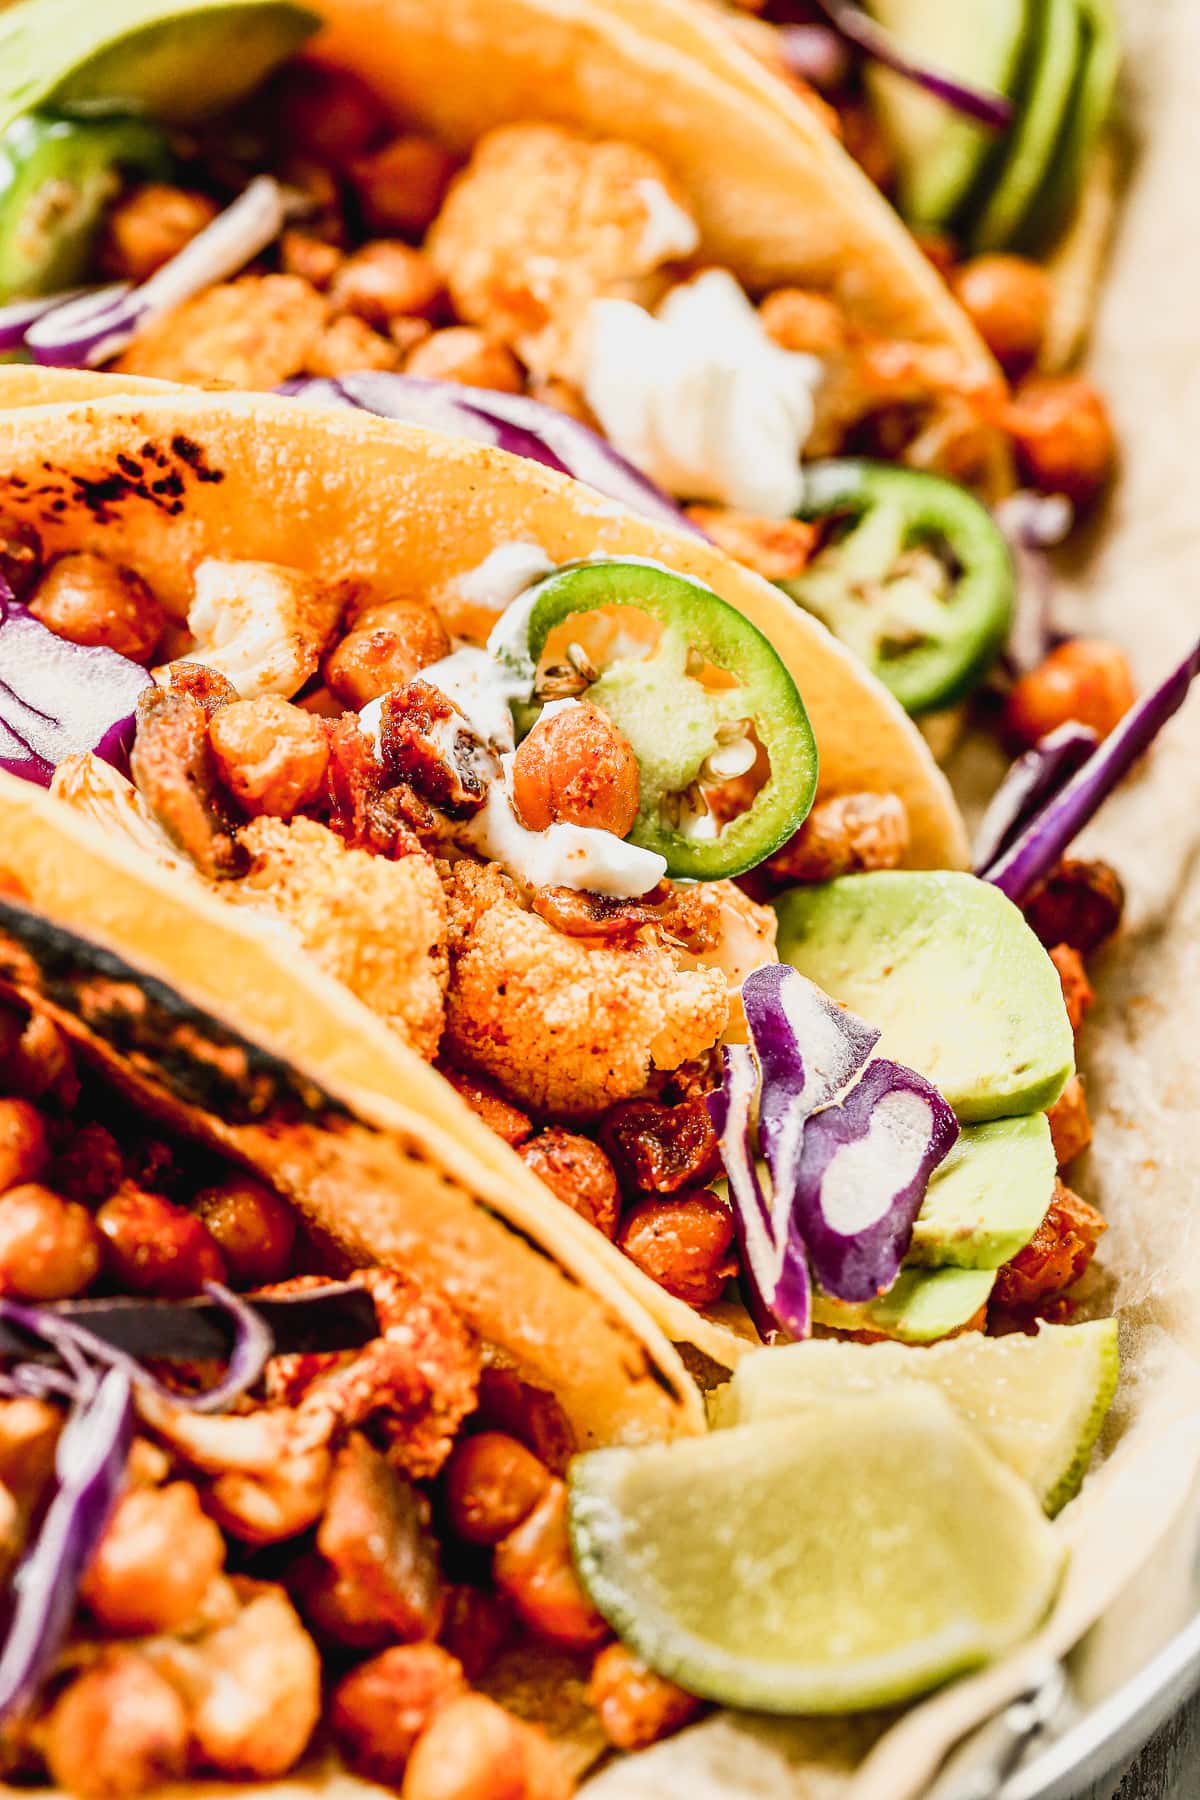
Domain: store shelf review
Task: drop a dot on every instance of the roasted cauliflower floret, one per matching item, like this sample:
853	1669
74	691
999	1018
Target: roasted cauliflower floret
261	625
377	925
251	333
569	1026
541	222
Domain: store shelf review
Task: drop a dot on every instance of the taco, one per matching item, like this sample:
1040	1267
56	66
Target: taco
489	220
220	1538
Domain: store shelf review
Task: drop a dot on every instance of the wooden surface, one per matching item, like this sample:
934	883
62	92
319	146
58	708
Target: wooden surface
1167	1769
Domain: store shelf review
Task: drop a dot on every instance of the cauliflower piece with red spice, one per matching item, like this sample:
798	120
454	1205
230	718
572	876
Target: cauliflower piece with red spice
541	222
261	625
378	926
568	1026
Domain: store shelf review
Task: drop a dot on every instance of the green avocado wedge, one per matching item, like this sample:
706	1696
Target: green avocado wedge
943	156
1042	115
1087	111
176	61
948	969
988	1197
921	1306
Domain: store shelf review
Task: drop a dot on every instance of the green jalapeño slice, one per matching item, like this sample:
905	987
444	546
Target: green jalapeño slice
727	756
916	578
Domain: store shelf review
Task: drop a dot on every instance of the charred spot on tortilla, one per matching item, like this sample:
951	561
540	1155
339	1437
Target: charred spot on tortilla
104	493
200	1061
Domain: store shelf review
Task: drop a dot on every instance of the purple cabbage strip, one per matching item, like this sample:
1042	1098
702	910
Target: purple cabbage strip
252	1347
511	422
1032	524
859	29
864	1168
1033	779
816	54
1044	838
89	1466
18	315
58	699
774	1278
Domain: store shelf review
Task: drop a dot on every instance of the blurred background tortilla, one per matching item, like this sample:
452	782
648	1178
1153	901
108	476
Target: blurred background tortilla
1137	580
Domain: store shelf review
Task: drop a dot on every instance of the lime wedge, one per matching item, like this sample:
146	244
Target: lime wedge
1038	1401
849	1558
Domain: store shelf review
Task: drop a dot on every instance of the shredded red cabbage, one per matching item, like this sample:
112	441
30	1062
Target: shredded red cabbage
510	422
1044	837
1030	782
849	1141
58	699
815	53
1032	524
89	1468
859	29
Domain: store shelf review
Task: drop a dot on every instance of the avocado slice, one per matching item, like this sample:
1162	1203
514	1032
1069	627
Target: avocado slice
1033	140
988	1198
921	1305
1088	109
948	969
176	60
942	155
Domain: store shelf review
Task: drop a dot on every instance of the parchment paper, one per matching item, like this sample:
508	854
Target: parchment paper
1137	580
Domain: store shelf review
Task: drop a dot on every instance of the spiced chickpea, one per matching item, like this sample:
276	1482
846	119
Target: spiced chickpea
476	1626
381	1708
89	1167
460	353
799	319
1085	679
579	1173
576	768
23	1147
475	1750
1063	435
87	599
314	260
20	555
400	187
1077	989
1008	298
1070	1123
387	280
150	225
325	113
271	755
49	1247
387	645
118	1729
154	1564
254	1229
152	1246
636	1706
492	1483
1080	904
533	1567
684	1243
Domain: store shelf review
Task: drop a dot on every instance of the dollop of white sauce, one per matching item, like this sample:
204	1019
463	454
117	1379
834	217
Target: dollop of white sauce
504	574
699	397
669	230
574	856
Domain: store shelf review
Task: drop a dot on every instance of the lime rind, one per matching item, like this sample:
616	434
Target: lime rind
852	1558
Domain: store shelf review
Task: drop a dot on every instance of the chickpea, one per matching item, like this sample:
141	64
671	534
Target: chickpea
401	187
339	1611
842	835
579	1173
684	1243
23	1147
89	600
1080	903
90	1167
20	555
1077	989
119	1729
533	1567
1008	299
460	353
49	1248
636	1706
776	549
577	768
387	280
254	1230
531	1414
348	345
386	647
497	1113
311	258
154	1564
325	113
271	755
153	1247
1070	1124
476	1626
149	226
492	1483
1064	436
381	1708
475	1750
1085	679
800	320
